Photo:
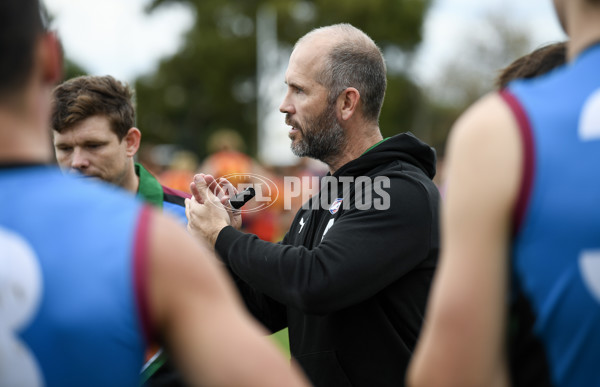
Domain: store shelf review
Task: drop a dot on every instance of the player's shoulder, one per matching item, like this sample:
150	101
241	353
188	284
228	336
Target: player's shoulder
489	113
75	189
484	152
487	126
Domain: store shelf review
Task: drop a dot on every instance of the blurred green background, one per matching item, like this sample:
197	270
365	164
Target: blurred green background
211	82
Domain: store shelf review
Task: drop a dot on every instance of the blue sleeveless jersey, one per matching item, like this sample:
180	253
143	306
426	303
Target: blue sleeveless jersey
556	251
69	247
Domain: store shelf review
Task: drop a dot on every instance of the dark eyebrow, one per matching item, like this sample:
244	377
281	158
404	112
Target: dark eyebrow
61	145
294	85
95	142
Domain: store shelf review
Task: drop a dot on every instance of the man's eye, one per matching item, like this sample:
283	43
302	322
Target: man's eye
65	148
94	146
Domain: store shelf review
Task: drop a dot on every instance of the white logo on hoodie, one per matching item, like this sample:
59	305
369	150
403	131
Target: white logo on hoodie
301	225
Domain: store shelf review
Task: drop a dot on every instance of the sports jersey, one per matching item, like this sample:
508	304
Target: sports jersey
555	322
71	251
170	200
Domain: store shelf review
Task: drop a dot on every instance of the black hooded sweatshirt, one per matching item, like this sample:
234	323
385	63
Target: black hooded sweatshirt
351	285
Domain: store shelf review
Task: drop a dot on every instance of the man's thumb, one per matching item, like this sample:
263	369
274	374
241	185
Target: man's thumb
200	189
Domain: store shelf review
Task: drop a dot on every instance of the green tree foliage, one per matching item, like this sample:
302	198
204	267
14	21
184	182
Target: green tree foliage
464	78
72	69
211	82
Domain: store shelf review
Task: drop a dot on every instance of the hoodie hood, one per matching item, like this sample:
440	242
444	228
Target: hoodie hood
403	147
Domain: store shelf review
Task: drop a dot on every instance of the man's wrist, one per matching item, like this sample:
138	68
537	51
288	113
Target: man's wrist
215	234
226	238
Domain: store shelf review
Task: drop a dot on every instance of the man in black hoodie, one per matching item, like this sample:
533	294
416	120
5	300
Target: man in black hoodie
351	277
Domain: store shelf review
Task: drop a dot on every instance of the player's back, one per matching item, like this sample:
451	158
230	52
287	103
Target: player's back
69	253
556	256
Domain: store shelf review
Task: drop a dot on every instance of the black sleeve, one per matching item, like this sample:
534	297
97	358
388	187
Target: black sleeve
362	253
269	312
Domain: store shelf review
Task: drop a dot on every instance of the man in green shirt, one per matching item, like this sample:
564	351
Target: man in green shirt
93	122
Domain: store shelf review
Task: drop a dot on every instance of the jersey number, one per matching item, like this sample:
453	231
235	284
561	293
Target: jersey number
20	293
589	265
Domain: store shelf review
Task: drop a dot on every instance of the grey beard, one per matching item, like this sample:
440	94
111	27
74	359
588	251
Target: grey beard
322	139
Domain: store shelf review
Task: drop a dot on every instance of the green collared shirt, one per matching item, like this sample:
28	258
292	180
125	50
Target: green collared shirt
149	188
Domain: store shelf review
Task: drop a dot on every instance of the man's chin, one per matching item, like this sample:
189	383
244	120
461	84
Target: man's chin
294	136
298	148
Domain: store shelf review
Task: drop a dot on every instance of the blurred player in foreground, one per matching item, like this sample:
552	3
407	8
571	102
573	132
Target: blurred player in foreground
517	296
89	274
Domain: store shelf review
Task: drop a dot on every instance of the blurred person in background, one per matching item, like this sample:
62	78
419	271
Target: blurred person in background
516	300
181	169
350	282
226	156
89	275
227	159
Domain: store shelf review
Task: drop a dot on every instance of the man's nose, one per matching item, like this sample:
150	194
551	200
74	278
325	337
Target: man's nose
79	160
286	105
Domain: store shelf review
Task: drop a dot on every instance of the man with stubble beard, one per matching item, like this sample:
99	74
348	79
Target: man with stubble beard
351	277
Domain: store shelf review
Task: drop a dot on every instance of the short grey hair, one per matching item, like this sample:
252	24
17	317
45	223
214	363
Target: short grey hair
354	60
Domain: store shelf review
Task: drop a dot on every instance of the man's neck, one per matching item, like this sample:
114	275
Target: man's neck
21	141
354	148
583	30
132	180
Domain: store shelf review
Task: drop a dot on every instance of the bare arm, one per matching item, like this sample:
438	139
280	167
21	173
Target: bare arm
462	343
193	305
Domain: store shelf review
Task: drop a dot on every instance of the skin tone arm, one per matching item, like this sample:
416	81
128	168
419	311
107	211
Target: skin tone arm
462	343
214	341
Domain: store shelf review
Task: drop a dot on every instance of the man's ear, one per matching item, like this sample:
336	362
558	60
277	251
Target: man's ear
52	58
132	141
348	102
